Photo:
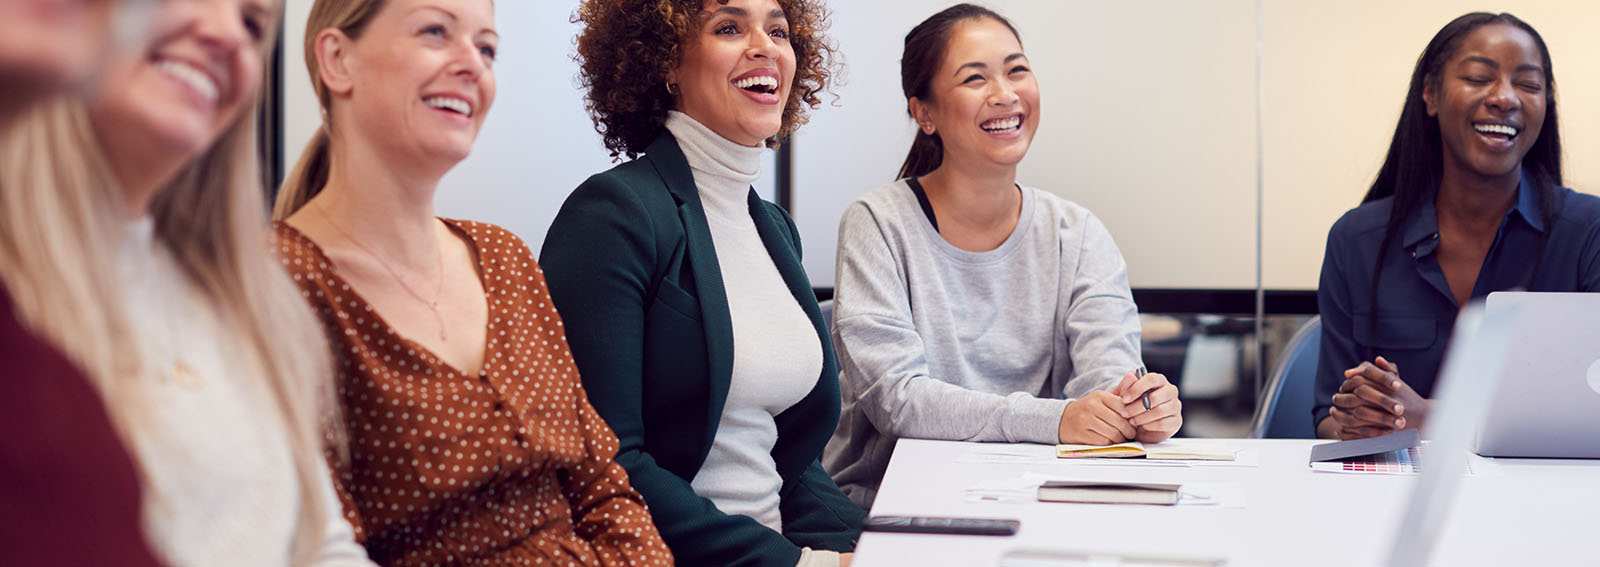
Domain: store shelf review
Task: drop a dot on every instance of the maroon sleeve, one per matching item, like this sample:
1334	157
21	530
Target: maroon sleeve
69	494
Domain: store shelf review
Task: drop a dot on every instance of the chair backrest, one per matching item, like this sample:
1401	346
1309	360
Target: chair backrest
1284	411
827	314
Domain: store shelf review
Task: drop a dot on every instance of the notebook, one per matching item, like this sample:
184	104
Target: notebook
1176	450
1109	492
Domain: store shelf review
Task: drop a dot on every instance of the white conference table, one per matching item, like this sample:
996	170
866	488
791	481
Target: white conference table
1513	512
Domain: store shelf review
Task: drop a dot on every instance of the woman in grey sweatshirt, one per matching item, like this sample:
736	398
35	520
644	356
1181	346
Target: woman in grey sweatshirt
969	307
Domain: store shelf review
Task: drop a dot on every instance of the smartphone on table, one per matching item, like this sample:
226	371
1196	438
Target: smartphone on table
942	525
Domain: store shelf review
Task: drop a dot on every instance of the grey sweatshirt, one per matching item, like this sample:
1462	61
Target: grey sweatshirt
936	342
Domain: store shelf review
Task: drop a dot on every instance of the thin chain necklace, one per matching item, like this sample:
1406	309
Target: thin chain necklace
438	289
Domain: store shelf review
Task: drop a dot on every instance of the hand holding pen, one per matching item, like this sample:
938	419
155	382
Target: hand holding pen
1150	404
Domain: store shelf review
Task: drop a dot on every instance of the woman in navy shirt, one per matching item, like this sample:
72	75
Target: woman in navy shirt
1469	201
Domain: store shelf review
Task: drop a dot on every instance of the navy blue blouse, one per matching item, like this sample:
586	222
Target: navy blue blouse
1416	310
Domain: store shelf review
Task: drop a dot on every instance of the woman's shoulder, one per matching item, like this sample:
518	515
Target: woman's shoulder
642	177
1365	218
632	188
1582	209
303	259
496	245
891	199
1057	206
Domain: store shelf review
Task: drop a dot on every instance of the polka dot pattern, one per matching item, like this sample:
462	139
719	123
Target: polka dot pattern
511	466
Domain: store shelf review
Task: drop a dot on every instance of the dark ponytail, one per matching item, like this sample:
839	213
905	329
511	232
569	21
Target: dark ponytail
924	51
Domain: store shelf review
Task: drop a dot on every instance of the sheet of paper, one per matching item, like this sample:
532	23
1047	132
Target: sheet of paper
1024	488
1241	458
1008	453
1002	453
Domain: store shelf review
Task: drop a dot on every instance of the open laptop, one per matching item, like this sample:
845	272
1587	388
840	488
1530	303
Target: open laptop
1479	349
1547	403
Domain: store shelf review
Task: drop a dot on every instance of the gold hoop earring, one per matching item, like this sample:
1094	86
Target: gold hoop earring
672	88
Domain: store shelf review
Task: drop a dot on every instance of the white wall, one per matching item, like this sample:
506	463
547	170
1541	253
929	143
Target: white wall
537	144
1335	75
1149	119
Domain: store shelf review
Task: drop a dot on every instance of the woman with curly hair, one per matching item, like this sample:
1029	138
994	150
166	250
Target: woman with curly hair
692	322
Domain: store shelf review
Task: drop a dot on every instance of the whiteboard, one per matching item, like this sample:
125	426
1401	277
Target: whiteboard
1149	118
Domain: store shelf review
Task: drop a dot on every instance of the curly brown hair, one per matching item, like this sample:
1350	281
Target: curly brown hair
627	47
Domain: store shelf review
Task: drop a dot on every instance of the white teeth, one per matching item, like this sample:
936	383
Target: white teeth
191	76
1002	124
1508	131
448	103
763	80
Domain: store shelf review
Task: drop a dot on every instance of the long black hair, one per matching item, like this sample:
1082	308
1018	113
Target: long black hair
925	49
1414	166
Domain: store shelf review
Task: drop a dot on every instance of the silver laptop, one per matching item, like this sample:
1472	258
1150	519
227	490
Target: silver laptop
1467	383
1547	403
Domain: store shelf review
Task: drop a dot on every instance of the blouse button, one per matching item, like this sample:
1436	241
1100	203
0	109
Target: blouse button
499	406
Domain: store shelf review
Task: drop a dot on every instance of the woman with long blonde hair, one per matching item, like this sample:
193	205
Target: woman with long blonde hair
63	469
471	440
131	241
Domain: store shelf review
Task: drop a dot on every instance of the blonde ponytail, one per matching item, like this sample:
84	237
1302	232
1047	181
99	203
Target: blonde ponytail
310	174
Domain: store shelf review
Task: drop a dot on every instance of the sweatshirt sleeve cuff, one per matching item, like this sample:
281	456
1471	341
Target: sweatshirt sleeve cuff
1036	420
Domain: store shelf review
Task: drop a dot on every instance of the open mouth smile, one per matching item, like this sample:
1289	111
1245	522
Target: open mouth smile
1499	136
1003	125
759	85
450	104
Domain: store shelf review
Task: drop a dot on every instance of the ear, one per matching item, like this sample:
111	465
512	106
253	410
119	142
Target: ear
335	60
1429	94
922	112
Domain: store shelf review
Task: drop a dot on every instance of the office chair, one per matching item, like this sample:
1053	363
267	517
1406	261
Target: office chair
1285	408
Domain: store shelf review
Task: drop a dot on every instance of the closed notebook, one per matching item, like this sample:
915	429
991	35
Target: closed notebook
1109	492
1185	450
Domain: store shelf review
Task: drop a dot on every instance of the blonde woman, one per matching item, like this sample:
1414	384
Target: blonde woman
131	241
471	440
63	469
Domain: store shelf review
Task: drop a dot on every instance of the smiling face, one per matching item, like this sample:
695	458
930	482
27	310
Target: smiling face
736	74
985	101
1490	101
49	45
201	68
419	81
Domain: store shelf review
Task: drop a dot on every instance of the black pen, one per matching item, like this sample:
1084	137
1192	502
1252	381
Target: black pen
1137	374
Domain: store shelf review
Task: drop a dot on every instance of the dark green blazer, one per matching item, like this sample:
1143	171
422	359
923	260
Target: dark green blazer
631	268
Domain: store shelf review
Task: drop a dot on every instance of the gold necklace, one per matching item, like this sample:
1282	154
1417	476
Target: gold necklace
438	289
185	377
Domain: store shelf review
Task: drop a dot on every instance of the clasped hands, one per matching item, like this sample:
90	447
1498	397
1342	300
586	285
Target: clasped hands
1107	417
1374	401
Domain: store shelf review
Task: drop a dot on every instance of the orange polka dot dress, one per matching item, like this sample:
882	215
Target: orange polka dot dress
508	467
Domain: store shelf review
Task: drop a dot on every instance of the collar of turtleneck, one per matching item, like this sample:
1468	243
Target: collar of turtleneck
723	170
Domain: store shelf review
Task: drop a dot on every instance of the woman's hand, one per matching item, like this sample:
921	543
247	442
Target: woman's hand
1165	414
1374	401
845	559
1095	419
